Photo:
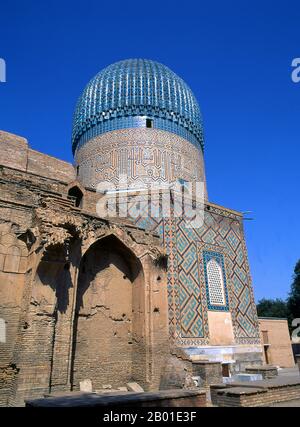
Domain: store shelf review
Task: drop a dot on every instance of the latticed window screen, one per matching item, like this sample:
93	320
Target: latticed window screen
215	283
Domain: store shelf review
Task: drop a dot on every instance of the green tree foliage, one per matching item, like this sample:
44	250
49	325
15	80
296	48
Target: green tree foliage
272	308
293	301
289	309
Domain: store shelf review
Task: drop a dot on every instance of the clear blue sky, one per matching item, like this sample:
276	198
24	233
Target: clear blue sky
235	55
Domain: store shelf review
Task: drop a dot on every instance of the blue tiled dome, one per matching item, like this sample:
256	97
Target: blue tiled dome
124	94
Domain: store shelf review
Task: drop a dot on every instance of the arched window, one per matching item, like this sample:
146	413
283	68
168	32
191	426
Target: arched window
215	283
215	280
76	194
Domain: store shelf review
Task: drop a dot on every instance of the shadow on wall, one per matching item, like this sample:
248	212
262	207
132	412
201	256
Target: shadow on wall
100	256
54	271
76	195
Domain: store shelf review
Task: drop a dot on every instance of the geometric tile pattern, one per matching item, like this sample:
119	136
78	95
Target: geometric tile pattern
221	235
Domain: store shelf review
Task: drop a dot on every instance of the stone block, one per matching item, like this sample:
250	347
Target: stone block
134	387
267	371
209	372
2	257
247	377
86	386
11	264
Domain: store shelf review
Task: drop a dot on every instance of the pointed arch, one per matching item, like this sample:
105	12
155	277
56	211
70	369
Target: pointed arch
75	194
107	323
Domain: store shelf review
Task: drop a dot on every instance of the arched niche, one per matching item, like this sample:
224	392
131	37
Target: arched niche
53	280
109	316
76	195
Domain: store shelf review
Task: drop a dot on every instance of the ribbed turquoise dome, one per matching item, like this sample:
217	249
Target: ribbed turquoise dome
125	93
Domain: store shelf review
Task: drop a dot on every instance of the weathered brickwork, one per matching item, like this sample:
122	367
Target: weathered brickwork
209	372
111	316
7	376
16	154
258	393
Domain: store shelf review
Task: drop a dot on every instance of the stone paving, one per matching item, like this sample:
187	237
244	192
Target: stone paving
288	372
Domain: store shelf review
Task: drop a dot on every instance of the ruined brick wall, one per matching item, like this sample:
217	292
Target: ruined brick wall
113	337
177	371
13	272
13	264
43	237
104	316
7	377
29	325
15	153
209	372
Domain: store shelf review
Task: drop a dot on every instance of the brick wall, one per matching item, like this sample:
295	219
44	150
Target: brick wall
50	167
16	154
278	348
209	372
259	397
14	151
41	246
258	393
